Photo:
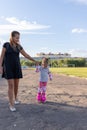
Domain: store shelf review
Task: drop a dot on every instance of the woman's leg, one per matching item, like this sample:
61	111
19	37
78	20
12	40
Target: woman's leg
16	84
11	91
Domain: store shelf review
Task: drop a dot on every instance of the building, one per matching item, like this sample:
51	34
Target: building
50	55
53	56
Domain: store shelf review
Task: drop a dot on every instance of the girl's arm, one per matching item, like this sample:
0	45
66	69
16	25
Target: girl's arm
37	68
27	55
50	75
1	59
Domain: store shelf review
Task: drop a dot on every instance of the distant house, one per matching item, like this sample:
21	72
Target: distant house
50	55
53	56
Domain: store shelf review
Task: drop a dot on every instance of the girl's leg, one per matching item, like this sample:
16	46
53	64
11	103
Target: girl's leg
39	93
11	91
39	96
43	97
16	84
44	92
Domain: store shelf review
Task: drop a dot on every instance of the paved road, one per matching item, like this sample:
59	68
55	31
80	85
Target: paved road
65	109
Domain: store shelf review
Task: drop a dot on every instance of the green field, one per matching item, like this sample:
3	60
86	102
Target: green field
79	72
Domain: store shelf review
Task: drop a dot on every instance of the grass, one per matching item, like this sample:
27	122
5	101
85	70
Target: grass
79	72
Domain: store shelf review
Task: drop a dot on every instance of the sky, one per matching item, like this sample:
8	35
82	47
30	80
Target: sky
46	25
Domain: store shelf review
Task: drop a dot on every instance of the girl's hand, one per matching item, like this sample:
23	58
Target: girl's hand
1	69
50	76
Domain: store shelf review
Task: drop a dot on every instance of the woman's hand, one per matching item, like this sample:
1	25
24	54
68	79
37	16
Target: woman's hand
37	63
1	69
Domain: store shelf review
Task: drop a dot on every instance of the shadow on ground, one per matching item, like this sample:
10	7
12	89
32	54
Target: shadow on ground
48	116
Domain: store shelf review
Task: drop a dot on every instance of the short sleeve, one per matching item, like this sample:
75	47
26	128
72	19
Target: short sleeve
5	45
19	47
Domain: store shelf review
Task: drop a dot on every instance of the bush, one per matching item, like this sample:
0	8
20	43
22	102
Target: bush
27	63
72	62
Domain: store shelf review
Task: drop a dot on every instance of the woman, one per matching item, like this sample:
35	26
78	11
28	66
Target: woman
10	66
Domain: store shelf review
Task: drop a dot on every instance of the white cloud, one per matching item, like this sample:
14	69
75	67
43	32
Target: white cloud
79	30
43	48
79	1
2	41
36	33
20	25
78	53
0	51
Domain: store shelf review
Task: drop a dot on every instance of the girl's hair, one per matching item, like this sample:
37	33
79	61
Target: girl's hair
44	59
13	33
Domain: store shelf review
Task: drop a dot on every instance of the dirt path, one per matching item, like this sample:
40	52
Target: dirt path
66	107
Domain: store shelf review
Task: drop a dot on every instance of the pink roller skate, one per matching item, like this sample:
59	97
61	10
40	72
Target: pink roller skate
39	97
43	98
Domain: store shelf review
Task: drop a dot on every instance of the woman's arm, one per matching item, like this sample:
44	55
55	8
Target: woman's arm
1	58
26	55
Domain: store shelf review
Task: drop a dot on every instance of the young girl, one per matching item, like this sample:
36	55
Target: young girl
44	74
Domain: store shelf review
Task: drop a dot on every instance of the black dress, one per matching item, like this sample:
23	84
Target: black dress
11	62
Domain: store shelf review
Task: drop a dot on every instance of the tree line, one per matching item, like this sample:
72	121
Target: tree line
71	62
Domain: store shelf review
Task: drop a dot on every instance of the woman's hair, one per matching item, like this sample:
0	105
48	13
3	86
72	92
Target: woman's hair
13	33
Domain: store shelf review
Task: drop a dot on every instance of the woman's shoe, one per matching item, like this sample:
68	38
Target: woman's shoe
16	102
13	109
